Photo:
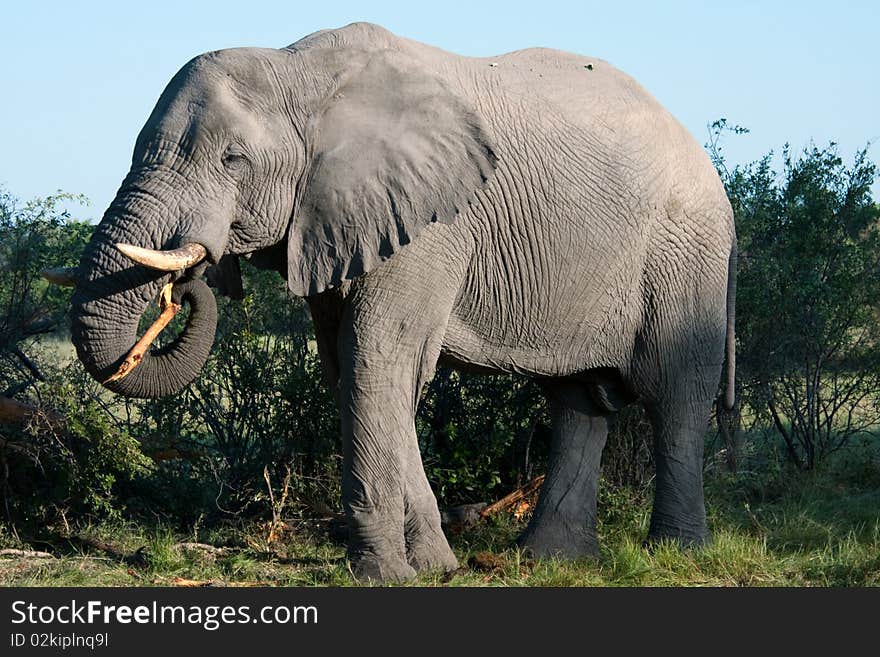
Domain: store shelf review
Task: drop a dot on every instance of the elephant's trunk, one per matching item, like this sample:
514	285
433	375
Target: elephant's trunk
113	292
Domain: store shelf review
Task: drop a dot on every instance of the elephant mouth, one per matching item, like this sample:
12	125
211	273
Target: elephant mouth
106	310
170	300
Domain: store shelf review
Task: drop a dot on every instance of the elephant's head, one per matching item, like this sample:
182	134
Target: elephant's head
333	157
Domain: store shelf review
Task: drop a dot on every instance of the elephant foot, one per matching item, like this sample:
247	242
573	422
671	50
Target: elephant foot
431	555
426	545
682	541
685	535
558	542
372	569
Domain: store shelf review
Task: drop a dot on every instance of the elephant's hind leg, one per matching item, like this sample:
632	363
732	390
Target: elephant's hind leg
677	371
679	423
564	521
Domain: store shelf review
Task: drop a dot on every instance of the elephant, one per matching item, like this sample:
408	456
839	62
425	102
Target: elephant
536	213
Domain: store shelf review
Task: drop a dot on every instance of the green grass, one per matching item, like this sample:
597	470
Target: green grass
771	527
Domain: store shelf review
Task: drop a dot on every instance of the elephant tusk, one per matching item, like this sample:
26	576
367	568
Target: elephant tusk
136	355
176	260
63	276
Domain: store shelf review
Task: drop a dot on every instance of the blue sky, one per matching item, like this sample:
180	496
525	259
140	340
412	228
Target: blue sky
79	79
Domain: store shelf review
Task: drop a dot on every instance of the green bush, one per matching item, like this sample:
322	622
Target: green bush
808	290
72	459
259	401
481	436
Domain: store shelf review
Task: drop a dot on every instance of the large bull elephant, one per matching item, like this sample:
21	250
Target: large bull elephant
537	212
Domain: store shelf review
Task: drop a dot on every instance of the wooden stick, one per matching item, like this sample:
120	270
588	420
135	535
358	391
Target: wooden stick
136	355
512	498
181	581
27	554
210	549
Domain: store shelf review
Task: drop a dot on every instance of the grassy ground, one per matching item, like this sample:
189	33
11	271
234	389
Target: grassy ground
773	528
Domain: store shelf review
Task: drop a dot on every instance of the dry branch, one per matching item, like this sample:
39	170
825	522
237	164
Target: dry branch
136	355
511	499
195	583
180	581
63	276
29	554
203	547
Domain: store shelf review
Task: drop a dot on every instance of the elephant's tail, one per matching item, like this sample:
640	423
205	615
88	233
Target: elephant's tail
730	340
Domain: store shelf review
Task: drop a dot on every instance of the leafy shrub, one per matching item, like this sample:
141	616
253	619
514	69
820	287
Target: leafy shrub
809	265
481	436
628	457
71	458
259	401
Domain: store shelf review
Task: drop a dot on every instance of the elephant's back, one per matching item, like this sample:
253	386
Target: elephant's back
578	96
563	78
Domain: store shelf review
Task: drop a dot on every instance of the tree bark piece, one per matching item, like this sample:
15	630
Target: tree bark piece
511	499
14	412
136	355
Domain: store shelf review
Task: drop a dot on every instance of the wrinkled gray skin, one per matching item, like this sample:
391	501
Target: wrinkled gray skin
523	213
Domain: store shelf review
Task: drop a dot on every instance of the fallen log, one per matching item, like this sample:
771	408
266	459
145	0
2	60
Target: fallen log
15	412
511	499
136	558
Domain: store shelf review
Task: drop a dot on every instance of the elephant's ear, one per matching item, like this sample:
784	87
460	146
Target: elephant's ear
393	150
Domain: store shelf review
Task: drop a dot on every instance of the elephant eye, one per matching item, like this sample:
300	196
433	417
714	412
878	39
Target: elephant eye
234	158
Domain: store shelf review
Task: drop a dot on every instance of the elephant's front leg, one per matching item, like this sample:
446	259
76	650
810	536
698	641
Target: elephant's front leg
373	441
394	524
426	545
